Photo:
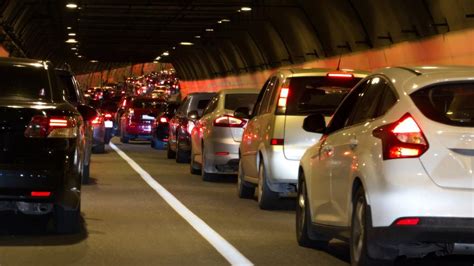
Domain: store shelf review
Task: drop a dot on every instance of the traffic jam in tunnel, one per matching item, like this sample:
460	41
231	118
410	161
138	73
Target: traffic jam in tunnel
250	132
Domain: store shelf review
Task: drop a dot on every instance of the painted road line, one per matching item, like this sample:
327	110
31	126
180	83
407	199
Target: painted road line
229	252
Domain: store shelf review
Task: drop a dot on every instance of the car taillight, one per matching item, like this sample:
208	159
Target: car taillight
277	141
341	75
97	120
108	116
163	119
407	221
402	139
190	126
40	193
51	127
229	121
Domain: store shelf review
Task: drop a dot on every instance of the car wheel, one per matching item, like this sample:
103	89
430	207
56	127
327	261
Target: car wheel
193	166
304	235
267	199
181	156
205	175
124	139
358	242
169	153
99	148
245	190
85	174
67	221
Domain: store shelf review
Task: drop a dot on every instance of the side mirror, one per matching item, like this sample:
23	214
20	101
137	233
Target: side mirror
193	115
88	113
315	123
242	112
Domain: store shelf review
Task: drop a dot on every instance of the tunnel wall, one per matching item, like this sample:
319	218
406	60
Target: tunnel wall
3	52
453	48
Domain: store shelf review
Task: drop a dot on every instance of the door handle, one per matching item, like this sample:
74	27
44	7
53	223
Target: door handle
353	143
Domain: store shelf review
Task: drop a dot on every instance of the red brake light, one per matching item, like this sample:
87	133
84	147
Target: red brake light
97	120
58	122
340	75
229	121
163	119
108	115
51	127
407	221
402	139
277	141
222	153
40	193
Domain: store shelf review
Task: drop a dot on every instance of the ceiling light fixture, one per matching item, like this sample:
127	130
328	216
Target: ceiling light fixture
186	43
225	20
246	8
69	28
71	5
94	61
209	30
174	48
71	41
220	21
80	56
197	37
165	53
73	48
72	34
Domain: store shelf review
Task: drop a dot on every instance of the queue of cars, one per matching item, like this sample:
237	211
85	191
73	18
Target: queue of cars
382	160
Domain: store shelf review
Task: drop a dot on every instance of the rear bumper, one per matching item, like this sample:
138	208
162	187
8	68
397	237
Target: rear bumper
222	155
280	169
143	129
61	177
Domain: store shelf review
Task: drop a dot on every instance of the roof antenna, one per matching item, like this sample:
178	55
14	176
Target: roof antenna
339	64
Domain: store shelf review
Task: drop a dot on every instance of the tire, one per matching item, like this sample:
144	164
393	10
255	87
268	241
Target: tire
67	221
169	153
245	190
99	148
267	199
304	235
85	174
194	169
124	139
358	245
181	156
159	145
205	175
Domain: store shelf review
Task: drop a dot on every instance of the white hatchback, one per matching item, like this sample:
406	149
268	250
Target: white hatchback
393	172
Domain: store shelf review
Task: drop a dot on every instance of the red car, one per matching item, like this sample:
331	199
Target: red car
136	120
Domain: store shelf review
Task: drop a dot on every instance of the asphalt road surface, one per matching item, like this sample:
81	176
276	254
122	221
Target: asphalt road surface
127	222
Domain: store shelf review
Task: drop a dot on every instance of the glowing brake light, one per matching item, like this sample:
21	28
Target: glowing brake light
40	193
108	115
340	75
402	139
163	119
229	121
277	141
97	120
51	127
283	97
407	221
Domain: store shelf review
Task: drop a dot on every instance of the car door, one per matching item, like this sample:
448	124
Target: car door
203	125
249	144
175	121
352	146
323	162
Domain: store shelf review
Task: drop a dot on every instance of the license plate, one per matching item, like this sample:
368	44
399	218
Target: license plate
109	124
147	117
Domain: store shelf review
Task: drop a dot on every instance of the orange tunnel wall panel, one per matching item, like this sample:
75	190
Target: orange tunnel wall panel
454	48
3	52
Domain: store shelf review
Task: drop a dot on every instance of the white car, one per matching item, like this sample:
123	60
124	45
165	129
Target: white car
217	135
393	172
273	141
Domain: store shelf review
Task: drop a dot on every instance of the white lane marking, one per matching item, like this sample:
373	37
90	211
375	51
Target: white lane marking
229	252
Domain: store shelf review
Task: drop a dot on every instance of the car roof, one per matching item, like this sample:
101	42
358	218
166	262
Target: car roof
410	79
23	61
309	72
238	91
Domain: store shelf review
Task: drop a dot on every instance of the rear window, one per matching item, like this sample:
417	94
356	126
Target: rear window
202	104
317	94
234	101
21	82
450	104
147	104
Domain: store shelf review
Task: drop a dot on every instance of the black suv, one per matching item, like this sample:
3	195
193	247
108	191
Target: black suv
41	144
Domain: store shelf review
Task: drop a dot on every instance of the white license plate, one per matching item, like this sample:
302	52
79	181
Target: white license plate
147	117
109	124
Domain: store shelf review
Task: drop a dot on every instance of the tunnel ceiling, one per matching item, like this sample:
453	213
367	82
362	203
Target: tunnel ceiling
272	34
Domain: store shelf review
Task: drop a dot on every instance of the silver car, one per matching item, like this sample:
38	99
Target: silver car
217	135
274	141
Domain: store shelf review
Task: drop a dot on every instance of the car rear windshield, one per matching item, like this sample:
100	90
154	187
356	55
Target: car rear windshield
450	104
234	101
202	104
317	94
22	82
147	104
